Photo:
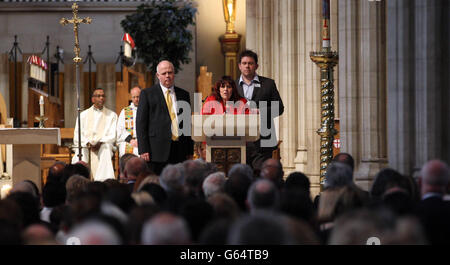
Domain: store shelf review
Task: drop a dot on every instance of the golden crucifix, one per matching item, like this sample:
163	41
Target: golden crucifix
75	21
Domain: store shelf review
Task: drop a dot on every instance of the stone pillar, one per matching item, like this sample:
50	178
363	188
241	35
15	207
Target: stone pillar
429	74
362	65
418	56
400	76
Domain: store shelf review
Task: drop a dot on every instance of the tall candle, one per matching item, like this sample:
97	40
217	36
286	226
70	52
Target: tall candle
41	105
5	190
326	44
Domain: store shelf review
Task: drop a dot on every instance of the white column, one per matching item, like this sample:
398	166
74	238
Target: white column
362	95
400	76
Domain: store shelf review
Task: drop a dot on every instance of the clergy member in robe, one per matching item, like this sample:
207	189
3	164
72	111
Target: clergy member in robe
98	134
126	125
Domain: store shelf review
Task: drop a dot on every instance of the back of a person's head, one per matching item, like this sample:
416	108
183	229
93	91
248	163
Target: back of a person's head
215	182
195	173
120	196
399	202
197	214
55	172
172	178
53	194
338	175
11	212
156	191
29	206
263	195
74	185
346	159
165	229
297	204
136	166
215	233
237	186
435	173
224	206
297	180
241	170
9	233
259	229
26	186
357	227
136	219
38	234
123	161
386	179
75	169
95	232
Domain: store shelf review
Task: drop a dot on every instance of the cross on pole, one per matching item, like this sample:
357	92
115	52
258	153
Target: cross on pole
75	21
77	59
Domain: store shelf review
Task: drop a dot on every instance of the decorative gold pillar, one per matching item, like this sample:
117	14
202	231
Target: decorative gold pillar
230	41
326	60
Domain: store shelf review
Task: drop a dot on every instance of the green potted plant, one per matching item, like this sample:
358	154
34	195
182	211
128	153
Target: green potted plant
160	30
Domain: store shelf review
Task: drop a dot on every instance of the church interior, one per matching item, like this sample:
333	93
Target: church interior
390	94
389	82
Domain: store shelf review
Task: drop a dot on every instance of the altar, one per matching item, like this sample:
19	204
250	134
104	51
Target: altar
24	149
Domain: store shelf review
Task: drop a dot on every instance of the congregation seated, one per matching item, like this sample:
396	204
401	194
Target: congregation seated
202	206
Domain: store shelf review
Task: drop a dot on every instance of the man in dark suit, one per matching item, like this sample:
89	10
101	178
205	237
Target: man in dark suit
161	115
433	211
262	91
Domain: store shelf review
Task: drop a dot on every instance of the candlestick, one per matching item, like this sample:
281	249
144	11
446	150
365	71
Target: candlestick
326	42
5	190
41	106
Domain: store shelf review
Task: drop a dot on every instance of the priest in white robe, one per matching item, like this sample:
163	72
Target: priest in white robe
98	134
126	125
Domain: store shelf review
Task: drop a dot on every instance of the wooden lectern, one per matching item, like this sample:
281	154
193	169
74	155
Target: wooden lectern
225	136
25	152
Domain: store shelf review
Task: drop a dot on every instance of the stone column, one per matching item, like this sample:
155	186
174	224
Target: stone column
363	86
418	56
430	45
400	76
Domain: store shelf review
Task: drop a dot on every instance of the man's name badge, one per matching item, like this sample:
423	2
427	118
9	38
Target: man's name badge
257	85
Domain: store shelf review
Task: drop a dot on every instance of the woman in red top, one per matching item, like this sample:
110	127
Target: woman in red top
225	99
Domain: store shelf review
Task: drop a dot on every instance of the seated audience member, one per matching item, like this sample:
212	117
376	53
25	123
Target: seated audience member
122	162
38	234
198	214
55	172
238	182
214	183
272	170
296	203
224	206
53	194
29	207
75	185
388	179
433	211
195	173
156	191
260	229
96	232
297	181
165	229
133	168
136	219
263	195
345	159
